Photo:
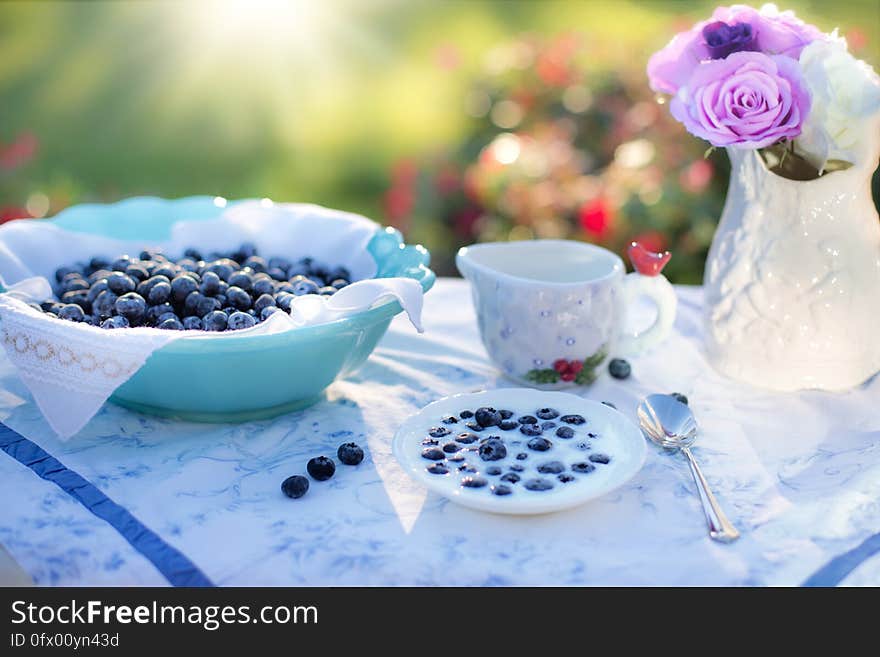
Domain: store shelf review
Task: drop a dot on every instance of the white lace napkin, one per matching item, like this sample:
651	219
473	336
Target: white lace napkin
72	369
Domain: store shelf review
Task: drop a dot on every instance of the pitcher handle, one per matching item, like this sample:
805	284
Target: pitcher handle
661	292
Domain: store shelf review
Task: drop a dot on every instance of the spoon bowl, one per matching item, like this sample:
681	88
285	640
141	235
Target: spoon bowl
667	422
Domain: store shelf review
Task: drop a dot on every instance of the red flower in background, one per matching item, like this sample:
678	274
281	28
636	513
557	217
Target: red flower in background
595	217
18	152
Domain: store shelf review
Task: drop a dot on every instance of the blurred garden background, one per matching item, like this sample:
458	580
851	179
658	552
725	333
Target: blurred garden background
454	121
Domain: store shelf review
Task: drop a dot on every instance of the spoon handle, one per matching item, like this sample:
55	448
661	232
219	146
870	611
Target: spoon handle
720	528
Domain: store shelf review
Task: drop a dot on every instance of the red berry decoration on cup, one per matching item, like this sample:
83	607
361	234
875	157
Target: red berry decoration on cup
646	262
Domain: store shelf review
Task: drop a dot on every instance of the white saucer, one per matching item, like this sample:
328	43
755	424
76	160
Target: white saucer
616	436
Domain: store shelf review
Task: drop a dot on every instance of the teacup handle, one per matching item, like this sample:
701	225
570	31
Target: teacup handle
661	292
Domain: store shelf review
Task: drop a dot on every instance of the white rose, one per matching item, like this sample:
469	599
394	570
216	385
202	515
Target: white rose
845	94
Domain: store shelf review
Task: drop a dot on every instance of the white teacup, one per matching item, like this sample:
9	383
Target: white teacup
551	312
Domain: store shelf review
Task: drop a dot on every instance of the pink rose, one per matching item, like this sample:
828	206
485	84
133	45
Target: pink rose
731	29
747	100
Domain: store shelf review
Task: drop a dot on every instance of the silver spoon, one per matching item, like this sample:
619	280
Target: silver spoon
671	424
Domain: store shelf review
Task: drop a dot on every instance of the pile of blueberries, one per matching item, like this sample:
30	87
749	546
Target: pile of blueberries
493	448
321	468
211	292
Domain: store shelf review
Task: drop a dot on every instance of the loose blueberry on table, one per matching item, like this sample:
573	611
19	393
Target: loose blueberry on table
321	468
619	368
214	292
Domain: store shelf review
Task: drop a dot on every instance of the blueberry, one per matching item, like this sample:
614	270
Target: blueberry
98	262
516	467
279	262
584	468
455	457
268	311
619	368
487	417
96	289
159	293
74	284
277	273
474	426
451	448
508	425
214	321
609	404
96	276
137	272
450	419
433	454
530	429
327	291
61	272
551	467
466	414
339	283
600	458
295	486
510	477
144	287
193	323
247	250
305	286
466	438
573	419
166	270
240	320
210	284
528	419
501	489
263	301
284	299
565	432
538	484
321	468
438	432
238	298
547	413
188	264
120	264
430	441
120	283
181	287
115	322
493	471
547	425
155	312
263	286
131	306
493	450
171	324
242	281
679	397
565	478
539	444
224	268
71	312
79	297
522	456
256	263
473	482
350	453
437	468
51	307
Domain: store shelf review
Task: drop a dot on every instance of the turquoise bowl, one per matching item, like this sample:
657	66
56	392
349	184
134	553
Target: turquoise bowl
250	376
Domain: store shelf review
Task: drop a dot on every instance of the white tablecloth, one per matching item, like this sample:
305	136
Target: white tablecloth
799	474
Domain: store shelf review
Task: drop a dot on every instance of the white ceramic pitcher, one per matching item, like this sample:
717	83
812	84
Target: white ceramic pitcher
792	283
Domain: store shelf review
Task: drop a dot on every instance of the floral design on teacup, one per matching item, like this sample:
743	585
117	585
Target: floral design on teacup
570	371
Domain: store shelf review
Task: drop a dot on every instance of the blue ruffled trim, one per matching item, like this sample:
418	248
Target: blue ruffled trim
177	569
